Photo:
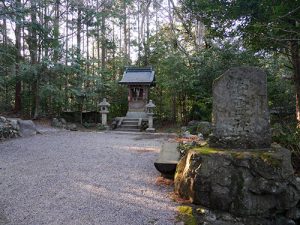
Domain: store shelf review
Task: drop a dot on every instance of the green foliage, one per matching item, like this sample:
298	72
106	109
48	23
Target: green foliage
7	57
289	137
184	86
261	24
280	86
186	214
100	127
201	110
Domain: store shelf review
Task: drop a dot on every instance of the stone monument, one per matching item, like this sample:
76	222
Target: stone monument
239	172
240	110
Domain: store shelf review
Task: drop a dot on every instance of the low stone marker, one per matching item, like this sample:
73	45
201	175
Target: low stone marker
168	159
240	110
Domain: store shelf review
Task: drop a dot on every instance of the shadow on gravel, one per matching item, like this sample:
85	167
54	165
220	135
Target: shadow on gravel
154	136
3	219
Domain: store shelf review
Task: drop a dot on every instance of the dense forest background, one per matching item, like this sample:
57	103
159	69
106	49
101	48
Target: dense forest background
66	55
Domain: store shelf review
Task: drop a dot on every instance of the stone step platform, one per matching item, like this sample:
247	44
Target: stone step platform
127	129
129	124
168	159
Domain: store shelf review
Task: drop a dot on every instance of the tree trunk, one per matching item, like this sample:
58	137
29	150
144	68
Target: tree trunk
46	21
98	33
139	35
78	40
114	52
18	59
296	67
67	33
33	47
174	108
6	70
103	38
125	32
87	50
4	32
128	35
147	48
145	37
56	32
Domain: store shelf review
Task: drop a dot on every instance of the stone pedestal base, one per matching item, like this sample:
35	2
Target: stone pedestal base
257	183
150	130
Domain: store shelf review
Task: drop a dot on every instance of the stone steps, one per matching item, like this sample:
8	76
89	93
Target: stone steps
129	124
168	159
128	129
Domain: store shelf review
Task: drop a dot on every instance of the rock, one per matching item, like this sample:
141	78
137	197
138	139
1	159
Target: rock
193	123
205	128
3	119
72	127
183	129
293	213
27	128
243	183
7	129
284	221
14	123
56	123
200	136
196	126
209	215
261	185
114	124
240	110
226	217
186	134
63	121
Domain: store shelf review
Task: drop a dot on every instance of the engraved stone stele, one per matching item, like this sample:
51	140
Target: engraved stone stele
240	110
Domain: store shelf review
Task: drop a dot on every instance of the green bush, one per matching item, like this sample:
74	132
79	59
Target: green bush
100	127
289	137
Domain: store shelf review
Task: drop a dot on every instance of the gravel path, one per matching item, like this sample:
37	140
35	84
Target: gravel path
82	178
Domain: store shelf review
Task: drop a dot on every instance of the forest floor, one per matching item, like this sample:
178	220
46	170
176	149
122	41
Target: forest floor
63	177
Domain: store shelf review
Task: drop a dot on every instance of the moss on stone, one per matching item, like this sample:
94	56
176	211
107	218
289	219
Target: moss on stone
267	156
207	150
270	159
238	155
186	210
185	214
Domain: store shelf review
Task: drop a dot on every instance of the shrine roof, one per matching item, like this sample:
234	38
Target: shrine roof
135	75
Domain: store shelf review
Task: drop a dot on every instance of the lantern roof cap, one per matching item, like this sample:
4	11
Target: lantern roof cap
104	103
150	104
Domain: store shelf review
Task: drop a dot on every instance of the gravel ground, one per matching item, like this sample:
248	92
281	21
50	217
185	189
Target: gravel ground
82	178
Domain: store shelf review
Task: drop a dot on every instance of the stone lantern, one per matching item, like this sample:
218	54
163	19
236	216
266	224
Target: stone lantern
150	112
104	111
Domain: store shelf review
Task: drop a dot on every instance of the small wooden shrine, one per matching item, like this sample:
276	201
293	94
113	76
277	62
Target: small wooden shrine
139	81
